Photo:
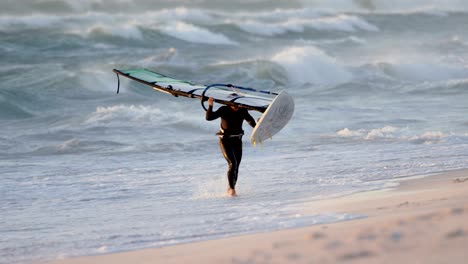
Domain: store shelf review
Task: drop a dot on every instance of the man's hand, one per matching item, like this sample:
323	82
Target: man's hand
210	101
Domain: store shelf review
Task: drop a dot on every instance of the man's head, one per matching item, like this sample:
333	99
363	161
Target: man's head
235	108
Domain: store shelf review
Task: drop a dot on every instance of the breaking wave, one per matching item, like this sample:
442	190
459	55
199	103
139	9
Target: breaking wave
137	114
192	33
399	134
326	23
311	65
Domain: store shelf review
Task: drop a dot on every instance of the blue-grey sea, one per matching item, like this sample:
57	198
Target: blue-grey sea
380	87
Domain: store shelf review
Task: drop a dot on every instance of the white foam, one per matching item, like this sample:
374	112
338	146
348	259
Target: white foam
212	188
395	133
264	29
387	6
102	249
308	7
81	24
124	25
343	23
278	14
424	70
431	137
346	132
457	40
129	113
192	33
148	116
353	40
293	24
33	21
192	15
127	31
385	132
311	65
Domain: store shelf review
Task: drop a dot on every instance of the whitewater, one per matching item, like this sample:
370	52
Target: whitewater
380	88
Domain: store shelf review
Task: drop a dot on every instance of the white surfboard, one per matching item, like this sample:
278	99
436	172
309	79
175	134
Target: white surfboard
277	115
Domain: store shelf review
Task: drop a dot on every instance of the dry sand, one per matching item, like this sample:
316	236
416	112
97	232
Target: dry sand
424	220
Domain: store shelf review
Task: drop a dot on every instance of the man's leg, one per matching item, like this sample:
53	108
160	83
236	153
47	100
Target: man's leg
229	153
237	149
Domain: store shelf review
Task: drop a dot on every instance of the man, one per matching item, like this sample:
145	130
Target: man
230	137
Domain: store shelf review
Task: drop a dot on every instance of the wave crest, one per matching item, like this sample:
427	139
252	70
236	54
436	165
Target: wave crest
311	65
192	33
124	113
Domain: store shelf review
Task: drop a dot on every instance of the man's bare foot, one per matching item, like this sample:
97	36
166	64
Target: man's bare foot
232	192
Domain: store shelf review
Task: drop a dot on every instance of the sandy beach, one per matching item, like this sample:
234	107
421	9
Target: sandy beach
423	220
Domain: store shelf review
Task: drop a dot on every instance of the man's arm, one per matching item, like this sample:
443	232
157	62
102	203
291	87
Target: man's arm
250	119
210	115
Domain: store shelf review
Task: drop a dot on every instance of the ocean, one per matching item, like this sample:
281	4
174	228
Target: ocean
380	87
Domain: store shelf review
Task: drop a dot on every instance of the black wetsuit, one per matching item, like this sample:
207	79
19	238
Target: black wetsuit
231	136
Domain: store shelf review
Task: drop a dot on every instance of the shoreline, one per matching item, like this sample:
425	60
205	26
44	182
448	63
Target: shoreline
424	220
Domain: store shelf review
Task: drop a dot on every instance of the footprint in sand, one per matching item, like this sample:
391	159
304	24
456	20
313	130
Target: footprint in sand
293	256
317	235
334	244
456	233
278	245
457	211
368	237
458	180
401	222
428	216
357	255
396	236
403	204
256	256
408	204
